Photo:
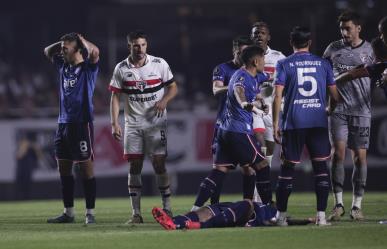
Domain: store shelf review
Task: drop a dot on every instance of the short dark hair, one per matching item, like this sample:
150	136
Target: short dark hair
350	15
241	40
73	36
379	48
136	35
300	36
383	24
260	25
250	52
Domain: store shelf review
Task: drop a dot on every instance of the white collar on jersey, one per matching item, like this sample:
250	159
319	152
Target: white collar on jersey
267	50
130	65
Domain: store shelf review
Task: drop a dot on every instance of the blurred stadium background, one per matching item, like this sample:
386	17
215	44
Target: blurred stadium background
193	36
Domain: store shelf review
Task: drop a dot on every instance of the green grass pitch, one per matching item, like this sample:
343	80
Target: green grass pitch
23	225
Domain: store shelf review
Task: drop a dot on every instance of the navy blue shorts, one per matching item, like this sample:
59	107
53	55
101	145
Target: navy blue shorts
315	139
235	148
74	142
214	140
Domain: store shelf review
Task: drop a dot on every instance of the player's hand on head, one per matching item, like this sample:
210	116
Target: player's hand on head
116	132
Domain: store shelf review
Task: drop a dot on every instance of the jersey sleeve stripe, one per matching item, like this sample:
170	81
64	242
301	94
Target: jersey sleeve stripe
169	82
114	89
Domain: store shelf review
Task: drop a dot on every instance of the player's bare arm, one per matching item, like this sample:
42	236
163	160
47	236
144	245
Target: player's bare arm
170	93
52	50
276	110
218	87
92	50
351	75
114	112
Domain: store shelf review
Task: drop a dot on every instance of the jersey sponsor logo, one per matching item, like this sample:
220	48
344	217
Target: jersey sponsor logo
156	60
152	74
141	85
308	103
129	74
145	99
69	83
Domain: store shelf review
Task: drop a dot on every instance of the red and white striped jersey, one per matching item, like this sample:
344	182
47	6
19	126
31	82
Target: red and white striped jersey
271	58
142	88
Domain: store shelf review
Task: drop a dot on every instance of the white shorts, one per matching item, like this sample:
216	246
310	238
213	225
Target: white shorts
263	124
150	141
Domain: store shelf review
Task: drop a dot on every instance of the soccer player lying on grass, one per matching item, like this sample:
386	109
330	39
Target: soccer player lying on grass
225	214
375	71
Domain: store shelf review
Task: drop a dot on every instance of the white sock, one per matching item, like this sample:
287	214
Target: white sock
134	186
194	208
321	215
269	159
165	191
356	201
264	150
339	198
281	215
69	211
256	197
90	211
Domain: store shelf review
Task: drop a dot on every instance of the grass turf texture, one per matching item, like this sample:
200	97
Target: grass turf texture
23	225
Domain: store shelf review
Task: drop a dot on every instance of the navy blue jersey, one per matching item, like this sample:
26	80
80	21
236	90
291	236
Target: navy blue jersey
262	215
305	78
236	118
77	85
223	72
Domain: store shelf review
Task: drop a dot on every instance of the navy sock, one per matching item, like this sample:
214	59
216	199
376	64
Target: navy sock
209	186
264	185
284	186
181	219
224	219
216	195
248	186
67	185
321	184
90	189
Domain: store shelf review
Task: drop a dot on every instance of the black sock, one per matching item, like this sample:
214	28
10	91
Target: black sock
264	185
248	186
321	184
209	186
89	187
284	186
67	184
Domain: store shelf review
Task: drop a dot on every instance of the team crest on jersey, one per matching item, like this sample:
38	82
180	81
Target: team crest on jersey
364	57
241	79
141	85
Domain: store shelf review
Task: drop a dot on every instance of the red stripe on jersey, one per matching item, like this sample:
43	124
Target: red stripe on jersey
115	89
148	82
269	69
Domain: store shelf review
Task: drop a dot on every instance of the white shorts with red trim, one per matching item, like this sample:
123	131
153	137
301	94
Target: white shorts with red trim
263	124
148	141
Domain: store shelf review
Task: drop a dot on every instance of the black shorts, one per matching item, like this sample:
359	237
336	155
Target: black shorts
235	148
74	142
316	141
